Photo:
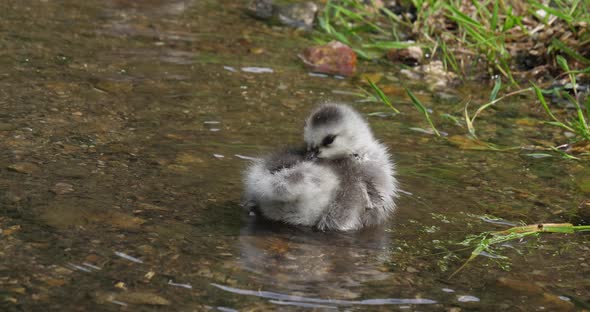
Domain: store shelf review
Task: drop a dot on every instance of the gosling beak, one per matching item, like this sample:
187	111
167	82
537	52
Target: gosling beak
312	153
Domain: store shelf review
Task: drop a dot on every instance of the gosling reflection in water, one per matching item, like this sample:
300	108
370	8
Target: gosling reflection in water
299	259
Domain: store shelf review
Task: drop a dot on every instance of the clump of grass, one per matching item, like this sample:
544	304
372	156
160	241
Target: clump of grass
484	34
379	96
468	34
464	33
577	125
486	241
361	26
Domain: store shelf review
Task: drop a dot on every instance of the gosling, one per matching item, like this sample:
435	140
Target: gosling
342	179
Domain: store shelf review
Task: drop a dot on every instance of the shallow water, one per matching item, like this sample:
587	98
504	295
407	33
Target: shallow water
123	132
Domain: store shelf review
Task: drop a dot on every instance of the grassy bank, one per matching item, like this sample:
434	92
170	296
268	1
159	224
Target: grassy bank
525	46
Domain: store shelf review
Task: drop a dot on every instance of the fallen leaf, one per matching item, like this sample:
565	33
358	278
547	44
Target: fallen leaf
142	298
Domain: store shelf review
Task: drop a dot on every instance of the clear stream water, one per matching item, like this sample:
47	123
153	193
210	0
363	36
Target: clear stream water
124	128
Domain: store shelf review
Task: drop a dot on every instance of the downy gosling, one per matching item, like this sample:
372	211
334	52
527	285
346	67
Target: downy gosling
342	179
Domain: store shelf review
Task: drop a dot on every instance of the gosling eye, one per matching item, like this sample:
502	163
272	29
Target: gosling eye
328	140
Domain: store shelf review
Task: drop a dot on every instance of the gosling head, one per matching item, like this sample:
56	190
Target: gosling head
335	131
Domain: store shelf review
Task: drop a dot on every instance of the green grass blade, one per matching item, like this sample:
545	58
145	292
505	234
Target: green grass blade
550	10
563	63
584	131
564	154
494	22
541	98
362	54
452	118
341	37
388	45
384	98
459	17
581	228
497	86
422	109
469	121
359	18
567	50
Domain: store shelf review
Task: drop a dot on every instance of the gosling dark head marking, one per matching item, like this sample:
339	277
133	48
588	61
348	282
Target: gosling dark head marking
328	140
326	115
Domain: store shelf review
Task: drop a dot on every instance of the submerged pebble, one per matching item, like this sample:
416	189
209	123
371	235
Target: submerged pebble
245	157
79	268
62	188
135	297
257	70
187	286
24	167
7	127
187	158
128	257
467	298
434	74
410	56
261	9
92	266
298	15
320	75
63	214
334	58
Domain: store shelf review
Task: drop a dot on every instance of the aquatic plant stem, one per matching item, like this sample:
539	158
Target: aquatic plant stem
491	238
469	121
